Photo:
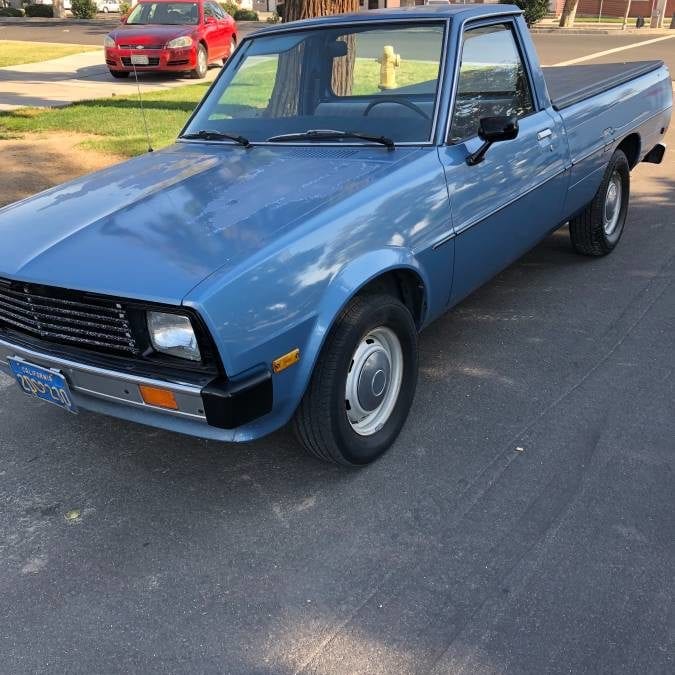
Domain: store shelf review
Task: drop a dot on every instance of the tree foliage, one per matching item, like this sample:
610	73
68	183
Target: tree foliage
83	9
533	10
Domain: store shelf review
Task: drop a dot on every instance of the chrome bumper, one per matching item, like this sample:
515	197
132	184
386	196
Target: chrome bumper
111	385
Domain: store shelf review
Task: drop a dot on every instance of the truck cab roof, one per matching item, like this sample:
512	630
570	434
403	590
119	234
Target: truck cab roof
415	13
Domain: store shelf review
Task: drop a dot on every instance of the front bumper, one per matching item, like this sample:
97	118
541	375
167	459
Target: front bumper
171	60
208	410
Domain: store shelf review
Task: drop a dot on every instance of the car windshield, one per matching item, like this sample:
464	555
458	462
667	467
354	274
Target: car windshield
378	81
165	14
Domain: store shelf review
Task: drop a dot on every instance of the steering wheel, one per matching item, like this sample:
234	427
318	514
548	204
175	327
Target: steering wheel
396	99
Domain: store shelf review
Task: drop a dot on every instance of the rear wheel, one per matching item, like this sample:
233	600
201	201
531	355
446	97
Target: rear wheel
598	228
363	383
233	46
119	74
200	70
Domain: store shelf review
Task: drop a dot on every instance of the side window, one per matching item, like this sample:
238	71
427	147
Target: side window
492	80
218	11
209	11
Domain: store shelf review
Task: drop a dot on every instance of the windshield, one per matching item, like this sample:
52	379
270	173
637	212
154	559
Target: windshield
373	80
165	14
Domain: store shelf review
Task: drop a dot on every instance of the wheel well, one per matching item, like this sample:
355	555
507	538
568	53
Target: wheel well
403	284
631	148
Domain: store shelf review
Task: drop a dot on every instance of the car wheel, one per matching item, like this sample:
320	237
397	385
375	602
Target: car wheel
363	383
199	73
105	10
597	229
233	46
119	74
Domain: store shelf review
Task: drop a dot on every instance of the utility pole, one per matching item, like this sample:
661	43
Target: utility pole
625	16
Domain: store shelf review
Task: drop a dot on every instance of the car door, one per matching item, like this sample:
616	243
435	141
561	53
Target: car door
504	205
226	27
213	33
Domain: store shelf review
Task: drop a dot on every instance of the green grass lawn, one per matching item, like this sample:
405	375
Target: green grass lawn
116	120
14	52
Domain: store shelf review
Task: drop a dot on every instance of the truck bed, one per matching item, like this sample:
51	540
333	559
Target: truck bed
568	85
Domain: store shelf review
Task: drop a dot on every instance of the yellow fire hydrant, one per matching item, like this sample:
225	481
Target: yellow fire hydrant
389	62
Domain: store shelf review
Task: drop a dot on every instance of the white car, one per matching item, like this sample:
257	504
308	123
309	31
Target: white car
107	6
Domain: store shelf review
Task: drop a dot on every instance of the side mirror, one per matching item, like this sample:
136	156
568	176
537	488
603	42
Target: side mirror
493	130
209	19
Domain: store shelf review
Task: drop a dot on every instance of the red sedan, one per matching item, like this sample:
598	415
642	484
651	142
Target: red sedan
171	36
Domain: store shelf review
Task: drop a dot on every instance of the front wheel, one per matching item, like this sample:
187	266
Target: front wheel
597	229
363	383
202	66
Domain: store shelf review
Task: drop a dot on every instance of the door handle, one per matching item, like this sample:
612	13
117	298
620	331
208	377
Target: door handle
544	133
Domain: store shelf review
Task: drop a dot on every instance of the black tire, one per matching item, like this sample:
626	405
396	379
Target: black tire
233	46
321	421
119	74
588	230
202	67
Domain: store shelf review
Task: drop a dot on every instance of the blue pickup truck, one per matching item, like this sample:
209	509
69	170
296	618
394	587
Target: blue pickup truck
344	182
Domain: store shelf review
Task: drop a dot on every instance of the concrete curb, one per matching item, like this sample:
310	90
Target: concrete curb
601	31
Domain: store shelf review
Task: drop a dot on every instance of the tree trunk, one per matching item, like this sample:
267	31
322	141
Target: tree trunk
569	13
59	11
625	16
285	94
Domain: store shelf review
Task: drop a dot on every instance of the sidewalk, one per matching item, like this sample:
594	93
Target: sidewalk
79	77
598	28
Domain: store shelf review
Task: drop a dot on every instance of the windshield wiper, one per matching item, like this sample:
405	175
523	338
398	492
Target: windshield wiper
328	134
211	135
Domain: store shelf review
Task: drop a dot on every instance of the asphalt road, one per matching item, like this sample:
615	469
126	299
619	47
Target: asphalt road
455	553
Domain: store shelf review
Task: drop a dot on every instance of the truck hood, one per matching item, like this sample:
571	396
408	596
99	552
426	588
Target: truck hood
154	227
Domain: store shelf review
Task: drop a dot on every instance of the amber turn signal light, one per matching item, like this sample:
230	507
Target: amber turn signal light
286	360
161	398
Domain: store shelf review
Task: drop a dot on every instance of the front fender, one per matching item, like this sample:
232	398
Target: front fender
309	332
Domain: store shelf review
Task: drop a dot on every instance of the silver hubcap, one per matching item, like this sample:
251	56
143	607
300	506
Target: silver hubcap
612	204
374	381
202	60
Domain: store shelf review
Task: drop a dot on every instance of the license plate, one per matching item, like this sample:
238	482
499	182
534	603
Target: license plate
139	60
43	383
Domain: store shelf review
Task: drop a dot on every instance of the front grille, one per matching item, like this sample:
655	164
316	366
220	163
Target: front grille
152	61
66	317
134	48
182	62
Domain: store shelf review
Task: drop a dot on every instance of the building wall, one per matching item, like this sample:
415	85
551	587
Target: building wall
614	8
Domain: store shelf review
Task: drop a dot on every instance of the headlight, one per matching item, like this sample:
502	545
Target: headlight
108	42
173	334
178	42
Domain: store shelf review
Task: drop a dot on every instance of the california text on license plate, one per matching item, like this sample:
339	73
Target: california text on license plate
47	385
139	60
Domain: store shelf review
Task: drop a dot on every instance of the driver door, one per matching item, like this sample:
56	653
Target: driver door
504	205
